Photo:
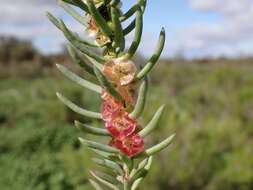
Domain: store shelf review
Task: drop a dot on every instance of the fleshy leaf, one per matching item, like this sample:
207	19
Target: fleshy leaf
72	76
81	47
138	34
92	130
78	3
69	33
108	176
118	34
98	146
129	13
108	164
102	153
142	174
77	109
141	165
153	123
80	61
140	104
147	68
131	26
95	185
75	37
53	19
159	147
72	12
104	182
114	3
95	63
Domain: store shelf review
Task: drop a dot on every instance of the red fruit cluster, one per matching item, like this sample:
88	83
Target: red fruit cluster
121	127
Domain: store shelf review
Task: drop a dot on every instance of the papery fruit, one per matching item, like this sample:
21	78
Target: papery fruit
120	71
131	145
111	107
121	125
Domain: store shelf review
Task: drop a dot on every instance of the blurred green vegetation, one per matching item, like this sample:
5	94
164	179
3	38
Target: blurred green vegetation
209	106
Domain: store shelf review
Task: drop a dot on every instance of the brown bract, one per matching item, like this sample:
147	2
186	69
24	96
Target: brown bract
120	72
92	27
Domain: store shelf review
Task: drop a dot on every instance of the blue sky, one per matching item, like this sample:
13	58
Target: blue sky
195	28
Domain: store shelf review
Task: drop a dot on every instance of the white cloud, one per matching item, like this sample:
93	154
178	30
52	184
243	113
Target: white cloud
230	36
27	19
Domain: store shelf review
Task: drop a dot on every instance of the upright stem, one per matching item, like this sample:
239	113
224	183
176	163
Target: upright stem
126	185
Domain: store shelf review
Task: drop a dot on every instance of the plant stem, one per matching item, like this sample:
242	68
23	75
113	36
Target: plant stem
126	185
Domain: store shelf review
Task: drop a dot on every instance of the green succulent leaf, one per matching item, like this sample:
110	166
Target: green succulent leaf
95	63
143	4
78	3
92	130
74	37
82	60
159	147
119	38
108	176
141	165
153	123
80	46
102	153
136	184
129	13
153	60
79	60
72	12
72	76
95	185
141	100
138	34
131	26
104	182
114	3
98	146
106	84
77	109
143	171
141	174
61	26
109	164
133	9
53	19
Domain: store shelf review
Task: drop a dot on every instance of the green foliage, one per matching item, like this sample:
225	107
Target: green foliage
110	36
209	107
38	149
